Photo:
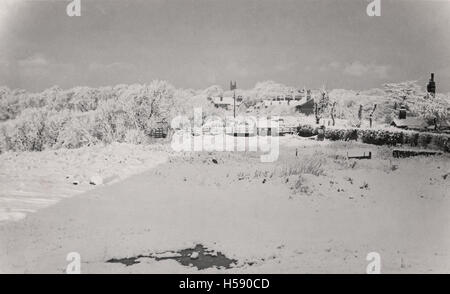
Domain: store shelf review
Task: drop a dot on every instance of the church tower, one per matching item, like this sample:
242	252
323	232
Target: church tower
232	86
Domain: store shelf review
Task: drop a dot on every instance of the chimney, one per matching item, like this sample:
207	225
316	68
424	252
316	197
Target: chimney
431	87
402	113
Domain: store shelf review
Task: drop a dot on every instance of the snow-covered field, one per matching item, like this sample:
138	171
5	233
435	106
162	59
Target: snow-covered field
311	211
33	180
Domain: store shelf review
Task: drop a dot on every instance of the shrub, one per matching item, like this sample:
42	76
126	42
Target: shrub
306	165
391	137
27	132
54	124
306	131
341	134
110	122
76	133
5	139
380	137
136	137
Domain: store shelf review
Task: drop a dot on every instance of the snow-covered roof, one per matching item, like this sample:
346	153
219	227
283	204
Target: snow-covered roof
285	102
410	123
224	100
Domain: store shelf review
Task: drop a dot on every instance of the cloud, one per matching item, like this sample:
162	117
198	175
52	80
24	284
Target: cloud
112	73
37	66
34	72
238	68
359	69
7	10
284	66
112	67
34	67
36	60
334	65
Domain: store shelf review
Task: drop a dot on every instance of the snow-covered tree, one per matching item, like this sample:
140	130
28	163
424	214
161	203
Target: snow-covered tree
213	91
432	109
419	103
322	106
269	89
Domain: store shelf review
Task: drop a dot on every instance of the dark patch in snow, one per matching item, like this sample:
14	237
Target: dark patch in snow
199	257
127	261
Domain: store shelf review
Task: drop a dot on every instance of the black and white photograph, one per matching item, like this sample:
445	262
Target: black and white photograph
224	137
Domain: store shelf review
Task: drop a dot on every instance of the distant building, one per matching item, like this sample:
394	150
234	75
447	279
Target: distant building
300	98
226	103
233	86
306	108
302	101
279	100
409	123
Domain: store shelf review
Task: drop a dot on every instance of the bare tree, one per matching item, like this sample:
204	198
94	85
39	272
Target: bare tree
371	115
332	112
321	107
359	115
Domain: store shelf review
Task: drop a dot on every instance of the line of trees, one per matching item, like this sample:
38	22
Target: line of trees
84	116
127	113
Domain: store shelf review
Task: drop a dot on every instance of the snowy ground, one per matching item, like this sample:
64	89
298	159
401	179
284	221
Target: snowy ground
33	180
314	212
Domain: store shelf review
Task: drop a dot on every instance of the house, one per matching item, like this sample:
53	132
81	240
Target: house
418	124
302	104
306	107
226	103
410	123
287	100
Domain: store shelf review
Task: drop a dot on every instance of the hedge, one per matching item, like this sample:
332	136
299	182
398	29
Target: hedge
389	137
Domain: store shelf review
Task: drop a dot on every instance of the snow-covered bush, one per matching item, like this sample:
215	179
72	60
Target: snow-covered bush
213	91
148	104
54	123
134	136
391	137
110	122
380	137
5	139
9	106
306	131
77	132
432	109
341	134
27	131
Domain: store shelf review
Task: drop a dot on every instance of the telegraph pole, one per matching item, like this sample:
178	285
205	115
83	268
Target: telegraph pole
233	87
234	103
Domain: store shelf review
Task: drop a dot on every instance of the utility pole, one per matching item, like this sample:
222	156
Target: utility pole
234	103
233	87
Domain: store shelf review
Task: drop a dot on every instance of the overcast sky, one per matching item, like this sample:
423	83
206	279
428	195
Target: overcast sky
197	43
